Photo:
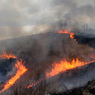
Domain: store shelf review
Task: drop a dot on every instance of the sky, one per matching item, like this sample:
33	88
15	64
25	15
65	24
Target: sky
27	17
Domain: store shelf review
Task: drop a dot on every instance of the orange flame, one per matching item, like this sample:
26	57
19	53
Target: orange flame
63	66
67	32
34	84
72	35
93	56
21	69
7	56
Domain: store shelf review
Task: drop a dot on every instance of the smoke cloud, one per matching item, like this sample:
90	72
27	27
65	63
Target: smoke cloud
21	18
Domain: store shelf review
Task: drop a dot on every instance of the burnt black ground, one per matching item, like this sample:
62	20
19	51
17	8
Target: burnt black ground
6	65
86	39
88	89
6	69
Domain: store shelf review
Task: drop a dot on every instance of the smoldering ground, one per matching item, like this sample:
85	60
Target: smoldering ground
40	51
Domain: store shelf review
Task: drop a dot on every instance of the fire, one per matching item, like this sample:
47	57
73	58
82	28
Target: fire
34	84
7	56
72	35
67	32
21	69
63	66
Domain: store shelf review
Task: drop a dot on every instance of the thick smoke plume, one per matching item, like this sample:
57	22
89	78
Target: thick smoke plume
30	17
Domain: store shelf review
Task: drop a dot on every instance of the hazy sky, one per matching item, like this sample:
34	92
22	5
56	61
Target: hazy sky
24	17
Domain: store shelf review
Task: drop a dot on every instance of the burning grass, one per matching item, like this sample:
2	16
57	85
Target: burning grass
46	56
64	65
21	69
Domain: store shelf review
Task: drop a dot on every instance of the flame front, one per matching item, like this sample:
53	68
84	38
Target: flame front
63	66
67	32
7	56
21	69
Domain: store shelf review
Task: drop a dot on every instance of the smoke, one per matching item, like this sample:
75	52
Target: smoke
23	18
40	51
20	18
